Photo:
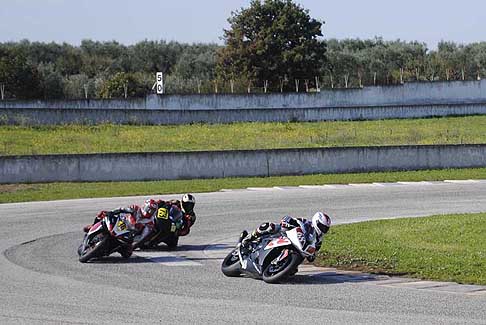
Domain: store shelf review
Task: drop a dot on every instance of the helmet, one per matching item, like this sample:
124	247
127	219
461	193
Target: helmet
149	208
321	223
188	202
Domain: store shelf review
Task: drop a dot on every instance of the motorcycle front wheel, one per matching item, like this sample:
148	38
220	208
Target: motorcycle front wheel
96	248
231	264
277	271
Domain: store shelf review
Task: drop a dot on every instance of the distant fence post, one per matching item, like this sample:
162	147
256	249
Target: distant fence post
85	87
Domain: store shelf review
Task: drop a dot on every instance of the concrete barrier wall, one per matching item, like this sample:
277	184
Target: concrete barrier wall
33	116
241	163
407	94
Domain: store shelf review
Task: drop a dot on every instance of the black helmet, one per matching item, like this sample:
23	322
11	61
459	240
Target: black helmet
188	202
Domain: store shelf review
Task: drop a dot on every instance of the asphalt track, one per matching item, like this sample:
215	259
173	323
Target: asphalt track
41	280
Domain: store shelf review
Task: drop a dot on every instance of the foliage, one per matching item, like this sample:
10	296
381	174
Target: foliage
272	40
123	84
51	81
78	86
20	77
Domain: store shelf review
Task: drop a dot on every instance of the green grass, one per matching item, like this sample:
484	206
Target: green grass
444	248
24	140
57	191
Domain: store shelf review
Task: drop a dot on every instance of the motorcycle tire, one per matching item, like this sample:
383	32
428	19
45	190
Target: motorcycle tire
291	264
125	252
172	242
96	251
231	264
80	249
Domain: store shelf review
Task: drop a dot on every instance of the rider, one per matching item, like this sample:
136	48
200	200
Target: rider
315	229
139	218
186	205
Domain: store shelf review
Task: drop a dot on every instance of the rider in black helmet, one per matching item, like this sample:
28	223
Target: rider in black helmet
186	204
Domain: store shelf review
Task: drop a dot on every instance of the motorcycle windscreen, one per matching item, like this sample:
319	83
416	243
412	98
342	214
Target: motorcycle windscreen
121	227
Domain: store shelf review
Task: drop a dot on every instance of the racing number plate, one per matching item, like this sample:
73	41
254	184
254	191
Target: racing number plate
121	225
162	213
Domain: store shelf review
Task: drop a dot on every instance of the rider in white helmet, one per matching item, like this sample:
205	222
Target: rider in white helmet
315	229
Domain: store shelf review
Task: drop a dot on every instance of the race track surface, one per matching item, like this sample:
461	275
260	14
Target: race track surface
42	281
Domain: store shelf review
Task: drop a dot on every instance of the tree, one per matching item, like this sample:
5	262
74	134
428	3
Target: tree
51	82
272	40
197	61
123	85
19	77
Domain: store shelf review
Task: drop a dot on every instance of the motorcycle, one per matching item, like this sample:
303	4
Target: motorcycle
109	235
165	229
273	258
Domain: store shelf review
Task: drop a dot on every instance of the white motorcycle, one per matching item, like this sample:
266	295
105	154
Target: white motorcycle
272	258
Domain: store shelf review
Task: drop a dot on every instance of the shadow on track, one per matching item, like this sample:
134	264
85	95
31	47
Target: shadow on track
177	256
334	277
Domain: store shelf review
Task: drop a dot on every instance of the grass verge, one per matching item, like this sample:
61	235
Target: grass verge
58	191
72	139
443	248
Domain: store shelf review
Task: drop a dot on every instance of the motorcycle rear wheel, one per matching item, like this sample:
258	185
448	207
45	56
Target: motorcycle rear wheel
94	251
172	242
272	274
231	264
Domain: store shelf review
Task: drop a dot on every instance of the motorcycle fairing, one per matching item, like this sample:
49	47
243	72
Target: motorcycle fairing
121	227
280	241
254	263
95	228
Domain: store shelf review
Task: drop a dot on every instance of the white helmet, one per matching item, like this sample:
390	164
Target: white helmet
321	223
188	202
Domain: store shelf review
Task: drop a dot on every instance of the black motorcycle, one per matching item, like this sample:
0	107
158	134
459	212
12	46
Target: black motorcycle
165	230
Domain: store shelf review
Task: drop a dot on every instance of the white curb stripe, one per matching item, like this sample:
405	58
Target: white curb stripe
467	181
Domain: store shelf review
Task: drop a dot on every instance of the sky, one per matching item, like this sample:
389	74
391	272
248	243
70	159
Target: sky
192	21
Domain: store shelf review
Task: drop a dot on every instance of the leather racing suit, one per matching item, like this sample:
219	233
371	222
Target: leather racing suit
314	241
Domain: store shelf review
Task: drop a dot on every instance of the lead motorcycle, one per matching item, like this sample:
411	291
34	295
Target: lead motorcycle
109	235
273	258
